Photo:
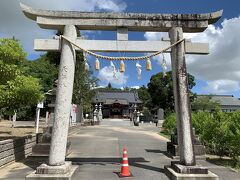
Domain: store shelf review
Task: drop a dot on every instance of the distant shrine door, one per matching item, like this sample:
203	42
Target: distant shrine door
122	23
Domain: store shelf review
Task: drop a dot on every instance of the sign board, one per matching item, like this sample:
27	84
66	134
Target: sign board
73	114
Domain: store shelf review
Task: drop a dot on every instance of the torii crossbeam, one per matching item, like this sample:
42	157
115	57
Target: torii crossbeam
72	21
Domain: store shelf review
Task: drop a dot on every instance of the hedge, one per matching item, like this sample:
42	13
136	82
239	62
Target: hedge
218	131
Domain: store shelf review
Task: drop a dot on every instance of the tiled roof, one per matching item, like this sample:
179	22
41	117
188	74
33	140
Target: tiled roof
225	100
129	96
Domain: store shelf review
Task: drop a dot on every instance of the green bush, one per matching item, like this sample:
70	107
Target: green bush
232	135
218	131
203	124
169	124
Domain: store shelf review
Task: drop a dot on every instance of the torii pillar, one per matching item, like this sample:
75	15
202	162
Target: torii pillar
63	99
181	98
175	24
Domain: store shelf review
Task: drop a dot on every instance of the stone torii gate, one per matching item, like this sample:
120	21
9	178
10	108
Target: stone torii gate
71	22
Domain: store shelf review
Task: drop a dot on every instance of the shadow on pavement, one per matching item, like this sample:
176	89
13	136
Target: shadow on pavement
157	151
103	160
137	162
35	162
145	166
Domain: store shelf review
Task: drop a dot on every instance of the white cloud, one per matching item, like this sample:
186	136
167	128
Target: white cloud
14	23
220	69
106	76
223	86
157	36
111	5
135	87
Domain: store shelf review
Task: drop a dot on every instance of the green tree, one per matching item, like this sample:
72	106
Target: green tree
83	82
109	86
8	72
204	103
16	89
11	51
20	92
42	69
160	89
144	96
11	59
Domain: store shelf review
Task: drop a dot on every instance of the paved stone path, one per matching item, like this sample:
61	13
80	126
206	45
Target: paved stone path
98	151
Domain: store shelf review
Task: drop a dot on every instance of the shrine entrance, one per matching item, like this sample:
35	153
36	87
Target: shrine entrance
174	24
116	104
116	110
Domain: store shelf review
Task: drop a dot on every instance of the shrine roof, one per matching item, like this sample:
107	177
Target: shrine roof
116	96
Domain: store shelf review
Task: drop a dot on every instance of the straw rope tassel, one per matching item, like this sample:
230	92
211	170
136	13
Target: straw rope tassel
97	64
122	67
148	65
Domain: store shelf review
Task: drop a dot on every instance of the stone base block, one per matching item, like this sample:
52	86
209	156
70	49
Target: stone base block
46	169
173	175
173	149
49	174
197	169
42	150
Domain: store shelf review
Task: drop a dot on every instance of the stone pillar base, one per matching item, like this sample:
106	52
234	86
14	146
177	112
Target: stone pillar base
44	172
173	151
180	172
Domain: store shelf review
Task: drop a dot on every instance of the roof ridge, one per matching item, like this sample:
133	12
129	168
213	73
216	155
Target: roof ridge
226	95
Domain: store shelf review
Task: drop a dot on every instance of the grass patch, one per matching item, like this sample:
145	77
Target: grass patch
224	161
165	134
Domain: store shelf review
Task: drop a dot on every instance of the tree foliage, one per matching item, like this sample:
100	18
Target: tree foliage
144	96
83	82
16	89
8	72
20	92
11	51
160	89
43	70
204	103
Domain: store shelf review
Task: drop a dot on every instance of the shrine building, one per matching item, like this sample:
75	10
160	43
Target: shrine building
117	104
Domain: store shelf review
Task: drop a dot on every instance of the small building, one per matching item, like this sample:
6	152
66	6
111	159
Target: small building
117	104
228	103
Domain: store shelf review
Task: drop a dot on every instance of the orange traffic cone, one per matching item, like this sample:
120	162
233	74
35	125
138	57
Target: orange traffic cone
125	168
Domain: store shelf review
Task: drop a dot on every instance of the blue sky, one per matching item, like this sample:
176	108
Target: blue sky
211	72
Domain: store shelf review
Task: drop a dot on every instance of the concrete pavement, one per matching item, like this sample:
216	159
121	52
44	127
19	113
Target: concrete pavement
101	151
98	151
